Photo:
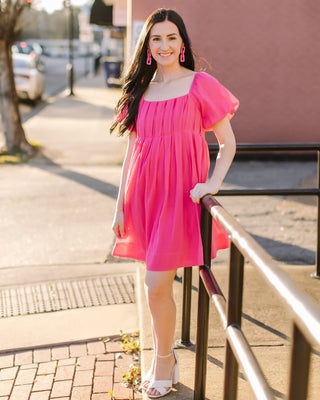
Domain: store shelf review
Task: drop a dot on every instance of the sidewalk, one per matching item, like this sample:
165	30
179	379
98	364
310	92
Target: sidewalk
60	291
77	371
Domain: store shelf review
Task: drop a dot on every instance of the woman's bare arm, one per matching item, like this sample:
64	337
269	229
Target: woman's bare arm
227	149
118	221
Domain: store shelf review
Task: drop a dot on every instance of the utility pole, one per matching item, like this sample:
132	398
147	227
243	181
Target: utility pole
70	71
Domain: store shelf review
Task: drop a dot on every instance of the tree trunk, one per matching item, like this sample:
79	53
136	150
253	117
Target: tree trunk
14	133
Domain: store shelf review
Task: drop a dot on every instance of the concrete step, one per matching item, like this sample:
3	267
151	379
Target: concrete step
26	274
42	329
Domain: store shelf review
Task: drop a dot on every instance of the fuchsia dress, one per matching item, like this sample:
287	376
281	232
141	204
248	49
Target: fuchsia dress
170	156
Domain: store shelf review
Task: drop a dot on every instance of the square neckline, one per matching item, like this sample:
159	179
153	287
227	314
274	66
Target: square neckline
173	98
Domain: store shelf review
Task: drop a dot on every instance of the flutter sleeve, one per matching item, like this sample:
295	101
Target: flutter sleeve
216	102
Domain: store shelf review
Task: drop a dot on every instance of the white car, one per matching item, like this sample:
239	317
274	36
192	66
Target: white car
28	78
33	49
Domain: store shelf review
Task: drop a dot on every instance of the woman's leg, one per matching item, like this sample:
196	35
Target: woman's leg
154	339
146	379
163	314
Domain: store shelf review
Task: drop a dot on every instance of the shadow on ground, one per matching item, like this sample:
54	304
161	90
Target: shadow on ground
286	252
44	163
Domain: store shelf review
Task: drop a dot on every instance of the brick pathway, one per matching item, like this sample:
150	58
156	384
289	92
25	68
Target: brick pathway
77	371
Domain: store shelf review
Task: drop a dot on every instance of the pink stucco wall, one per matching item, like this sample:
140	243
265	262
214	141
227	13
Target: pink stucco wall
266	53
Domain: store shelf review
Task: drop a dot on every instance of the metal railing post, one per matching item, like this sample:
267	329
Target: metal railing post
233	318
203	311
186	308
300	362
206	235
318	224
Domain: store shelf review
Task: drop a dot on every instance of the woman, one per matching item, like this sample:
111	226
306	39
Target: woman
166	106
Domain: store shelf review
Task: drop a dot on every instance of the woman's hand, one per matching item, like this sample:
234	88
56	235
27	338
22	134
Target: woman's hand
118	224
201	189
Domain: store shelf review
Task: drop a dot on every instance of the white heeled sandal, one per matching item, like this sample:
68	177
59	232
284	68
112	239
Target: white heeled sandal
145	382
165	386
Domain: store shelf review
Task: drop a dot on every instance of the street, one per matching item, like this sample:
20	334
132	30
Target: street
56	78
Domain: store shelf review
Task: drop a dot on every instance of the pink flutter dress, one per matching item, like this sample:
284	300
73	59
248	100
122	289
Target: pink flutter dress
170	156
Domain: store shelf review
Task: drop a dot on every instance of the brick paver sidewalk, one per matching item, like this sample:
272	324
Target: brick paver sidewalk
77	371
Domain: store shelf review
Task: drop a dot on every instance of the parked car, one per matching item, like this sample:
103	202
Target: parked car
28	78
34	50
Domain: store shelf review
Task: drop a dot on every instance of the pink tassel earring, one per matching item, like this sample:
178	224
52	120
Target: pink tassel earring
182	54
149	59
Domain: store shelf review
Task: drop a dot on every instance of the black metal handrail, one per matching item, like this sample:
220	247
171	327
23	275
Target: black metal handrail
306	315
276	147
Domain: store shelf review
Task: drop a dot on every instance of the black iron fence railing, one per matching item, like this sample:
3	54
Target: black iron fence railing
275	149
305	314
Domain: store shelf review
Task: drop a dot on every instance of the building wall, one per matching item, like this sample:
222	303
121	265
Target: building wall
266	53
120	13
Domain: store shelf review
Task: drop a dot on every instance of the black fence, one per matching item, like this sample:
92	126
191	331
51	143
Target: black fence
305	314
281	149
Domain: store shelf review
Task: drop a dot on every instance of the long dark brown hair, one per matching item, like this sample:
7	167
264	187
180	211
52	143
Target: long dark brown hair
140	74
